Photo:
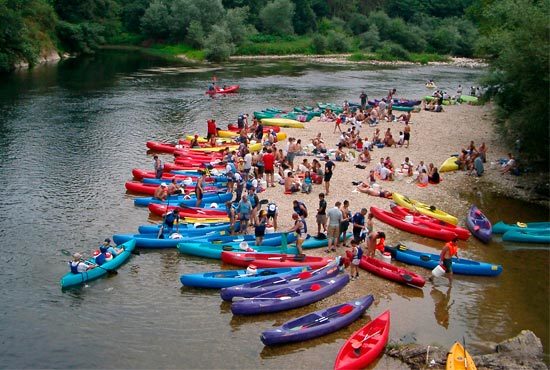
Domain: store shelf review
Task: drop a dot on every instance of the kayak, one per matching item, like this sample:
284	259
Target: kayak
273	260
459	359
152	241
318	323
252	147
461	232
527	236
312	242
445	101
219	90
190	229
415	227
229	278
186	211
221	133
468	99
402	108
260	287
139	187
214	199
290	297
272	239
282	122
218	181
479	224
141	174
365	345
266	129
423	208
214	251
461	266
449	165
70	279
501	227
391	272
169	167
164	147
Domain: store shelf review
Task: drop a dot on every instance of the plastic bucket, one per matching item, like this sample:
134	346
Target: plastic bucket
409	219
386	257
438	271
269	230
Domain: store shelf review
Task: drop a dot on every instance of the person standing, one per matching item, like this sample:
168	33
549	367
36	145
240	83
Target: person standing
359	227
357	254
344	225
159	167
363	98
449	250
199	189
329	168
300	208
300	227
321	216
170	218
371	242
244	209
269	167
259	227
406	134
212	130
272	212
333	231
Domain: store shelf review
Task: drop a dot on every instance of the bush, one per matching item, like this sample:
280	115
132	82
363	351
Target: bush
337	41
319	44
358	23
84	37
392	51
277	16
237	25
218	46
370	40
195	34
154	22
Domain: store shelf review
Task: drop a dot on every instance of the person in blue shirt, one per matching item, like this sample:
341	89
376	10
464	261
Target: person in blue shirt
244	210
107	247
359	227
170	218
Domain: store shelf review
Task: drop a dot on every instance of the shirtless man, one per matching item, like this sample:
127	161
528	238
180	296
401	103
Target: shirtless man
291	185
407	134
371	242
161	193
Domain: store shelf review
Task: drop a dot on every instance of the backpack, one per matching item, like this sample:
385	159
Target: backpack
359	252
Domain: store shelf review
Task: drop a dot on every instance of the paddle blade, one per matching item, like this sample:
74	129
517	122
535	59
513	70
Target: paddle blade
315	287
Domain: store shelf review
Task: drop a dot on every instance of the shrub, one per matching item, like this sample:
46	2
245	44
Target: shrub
370	40
195	34
319	44
358	23
392	51
218	46
337	41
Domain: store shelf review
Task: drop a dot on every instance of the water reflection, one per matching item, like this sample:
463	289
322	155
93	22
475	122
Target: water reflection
441	305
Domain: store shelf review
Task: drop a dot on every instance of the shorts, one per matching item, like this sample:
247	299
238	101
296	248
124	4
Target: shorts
333	232
290	157
244	217
302	236
269	172
321	219
259	231
327	177
448	264
271	215
344	226
406	136
355	261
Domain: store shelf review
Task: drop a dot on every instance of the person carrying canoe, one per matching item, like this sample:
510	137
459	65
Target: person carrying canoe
170	218
449	250
159	167
300	228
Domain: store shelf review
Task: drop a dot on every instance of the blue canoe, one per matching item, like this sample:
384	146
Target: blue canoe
318	323
209	197
272	239
501	227
71	279
260	287
541	236
229	278
479	225
292	297
461	266
214	251
192	229
151	240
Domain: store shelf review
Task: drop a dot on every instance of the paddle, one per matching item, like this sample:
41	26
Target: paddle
283	298
358	344
464	347
342	311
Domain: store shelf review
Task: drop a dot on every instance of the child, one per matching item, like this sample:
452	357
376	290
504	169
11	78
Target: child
357	253
307	185
259	230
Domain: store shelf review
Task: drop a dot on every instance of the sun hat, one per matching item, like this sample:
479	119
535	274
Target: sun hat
163	184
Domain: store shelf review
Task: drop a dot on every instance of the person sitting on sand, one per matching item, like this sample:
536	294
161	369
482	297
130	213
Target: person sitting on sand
390	117
390	142
305	166
407	167
340	155
386	174
291	184
433	175
364	157
367	189
422	178
509	165
462	160
421	166
359	144
401	139
376	137
405	117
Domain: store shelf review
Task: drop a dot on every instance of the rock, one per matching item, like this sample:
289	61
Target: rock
525	344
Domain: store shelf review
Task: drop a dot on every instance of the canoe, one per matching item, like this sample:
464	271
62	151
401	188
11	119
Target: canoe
70	279
227	90
190	229
541	236
479	224
218	181
365	345
209	198
415	227
222	133
459	359
423	208
449	165
260	287
273	260
402	108
186	211
229	278
461	266
318	323
252	147
151	240
468	99
391	272
164	147
150	176
501	227
290	297
272	239
461	232
266	129
282	122
312	242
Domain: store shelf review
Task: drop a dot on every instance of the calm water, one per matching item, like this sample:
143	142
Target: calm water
69	136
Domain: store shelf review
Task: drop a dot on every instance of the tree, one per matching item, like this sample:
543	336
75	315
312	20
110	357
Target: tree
304	19
218	45
277	16
195	34
236	20
370	40
155	21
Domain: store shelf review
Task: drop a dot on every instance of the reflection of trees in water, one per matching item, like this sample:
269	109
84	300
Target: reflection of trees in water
442	306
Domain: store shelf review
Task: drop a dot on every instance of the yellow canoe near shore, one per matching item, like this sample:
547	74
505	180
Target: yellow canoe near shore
232	134
282	122
202	139
423	208
449	165
459	359
252	147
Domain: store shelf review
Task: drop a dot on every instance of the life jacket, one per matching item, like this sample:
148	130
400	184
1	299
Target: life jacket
271	209
453	248
232	167
298	209
170	218
100	259
359	252
74	268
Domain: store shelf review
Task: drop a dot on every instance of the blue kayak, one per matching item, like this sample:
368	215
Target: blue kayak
501	227
192	229
313	242
214	251
229	278
541	236
318	323
461	266
209	197
152	241
71	279
272	239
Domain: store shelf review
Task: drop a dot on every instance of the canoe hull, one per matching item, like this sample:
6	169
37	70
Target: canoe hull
228	278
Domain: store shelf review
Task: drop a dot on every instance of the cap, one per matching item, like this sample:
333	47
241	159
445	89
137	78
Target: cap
77	256
163	184
107	240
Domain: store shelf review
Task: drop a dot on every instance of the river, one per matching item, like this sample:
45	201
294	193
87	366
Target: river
70	135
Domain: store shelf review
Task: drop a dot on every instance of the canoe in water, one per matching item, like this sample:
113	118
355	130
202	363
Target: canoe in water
501	227
228	278
541	236
479	224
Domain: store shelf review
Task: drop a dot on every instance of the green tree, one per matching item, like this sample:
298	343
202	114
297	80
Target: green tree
319	43
195	34
358	23
338	41
304	19
370	40
236	20
277	17
218	45
131	13
155	21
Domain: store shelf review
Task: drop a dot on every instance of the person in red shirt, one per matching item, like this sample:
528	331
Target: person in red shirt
212	130
269	168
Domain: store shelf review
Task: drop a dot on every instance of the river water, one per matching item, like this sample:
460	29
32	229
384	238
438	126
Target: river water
70	135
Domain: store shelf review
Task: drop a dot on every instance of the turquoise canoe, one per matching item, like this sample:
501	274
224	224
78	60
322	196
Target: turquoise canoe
70	279
312	242
214	251
228	278
541	236
501	227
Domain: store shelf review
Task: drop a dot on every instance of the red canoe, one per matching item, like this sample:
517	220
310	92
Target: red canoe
415	227
365	345
235	128
157	146
149	189
273	260
461	232
227	90
140	174
391	272
194	212
194	167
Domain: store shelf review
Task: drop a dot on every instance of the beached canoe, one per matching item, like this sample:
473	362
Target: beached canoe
70	279
501	227
445	101
423	208
313	242
415	227
479	224
214	251
210	200
221	90
229	278
318	323
541	236
282	122
461	232
152	241
461	266
391	272
260	287
266	129
459	359
290	297
191	229
141	188
474	100
187	211
273	260
449	165
226	133
365	345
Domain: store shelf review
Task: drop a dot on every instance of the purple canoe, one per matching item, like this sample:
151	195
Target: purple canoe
479	224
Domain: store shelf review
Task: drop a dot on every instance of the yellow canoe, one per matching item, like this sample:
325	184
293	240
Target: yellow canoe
282	122
231	134
459	359
423	208
252	147
202	139
449	165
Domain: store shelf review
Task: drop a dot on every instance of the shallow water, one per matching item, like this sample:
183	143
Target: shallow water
69	136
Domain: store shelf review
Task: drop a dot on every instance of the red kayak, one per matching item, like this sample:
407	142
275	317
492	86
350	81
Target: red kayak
194	212
391	272
461	232
235	128
157	146
198	155
365	345
140	174
415	227
273	260
227	90
141	188
194	167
